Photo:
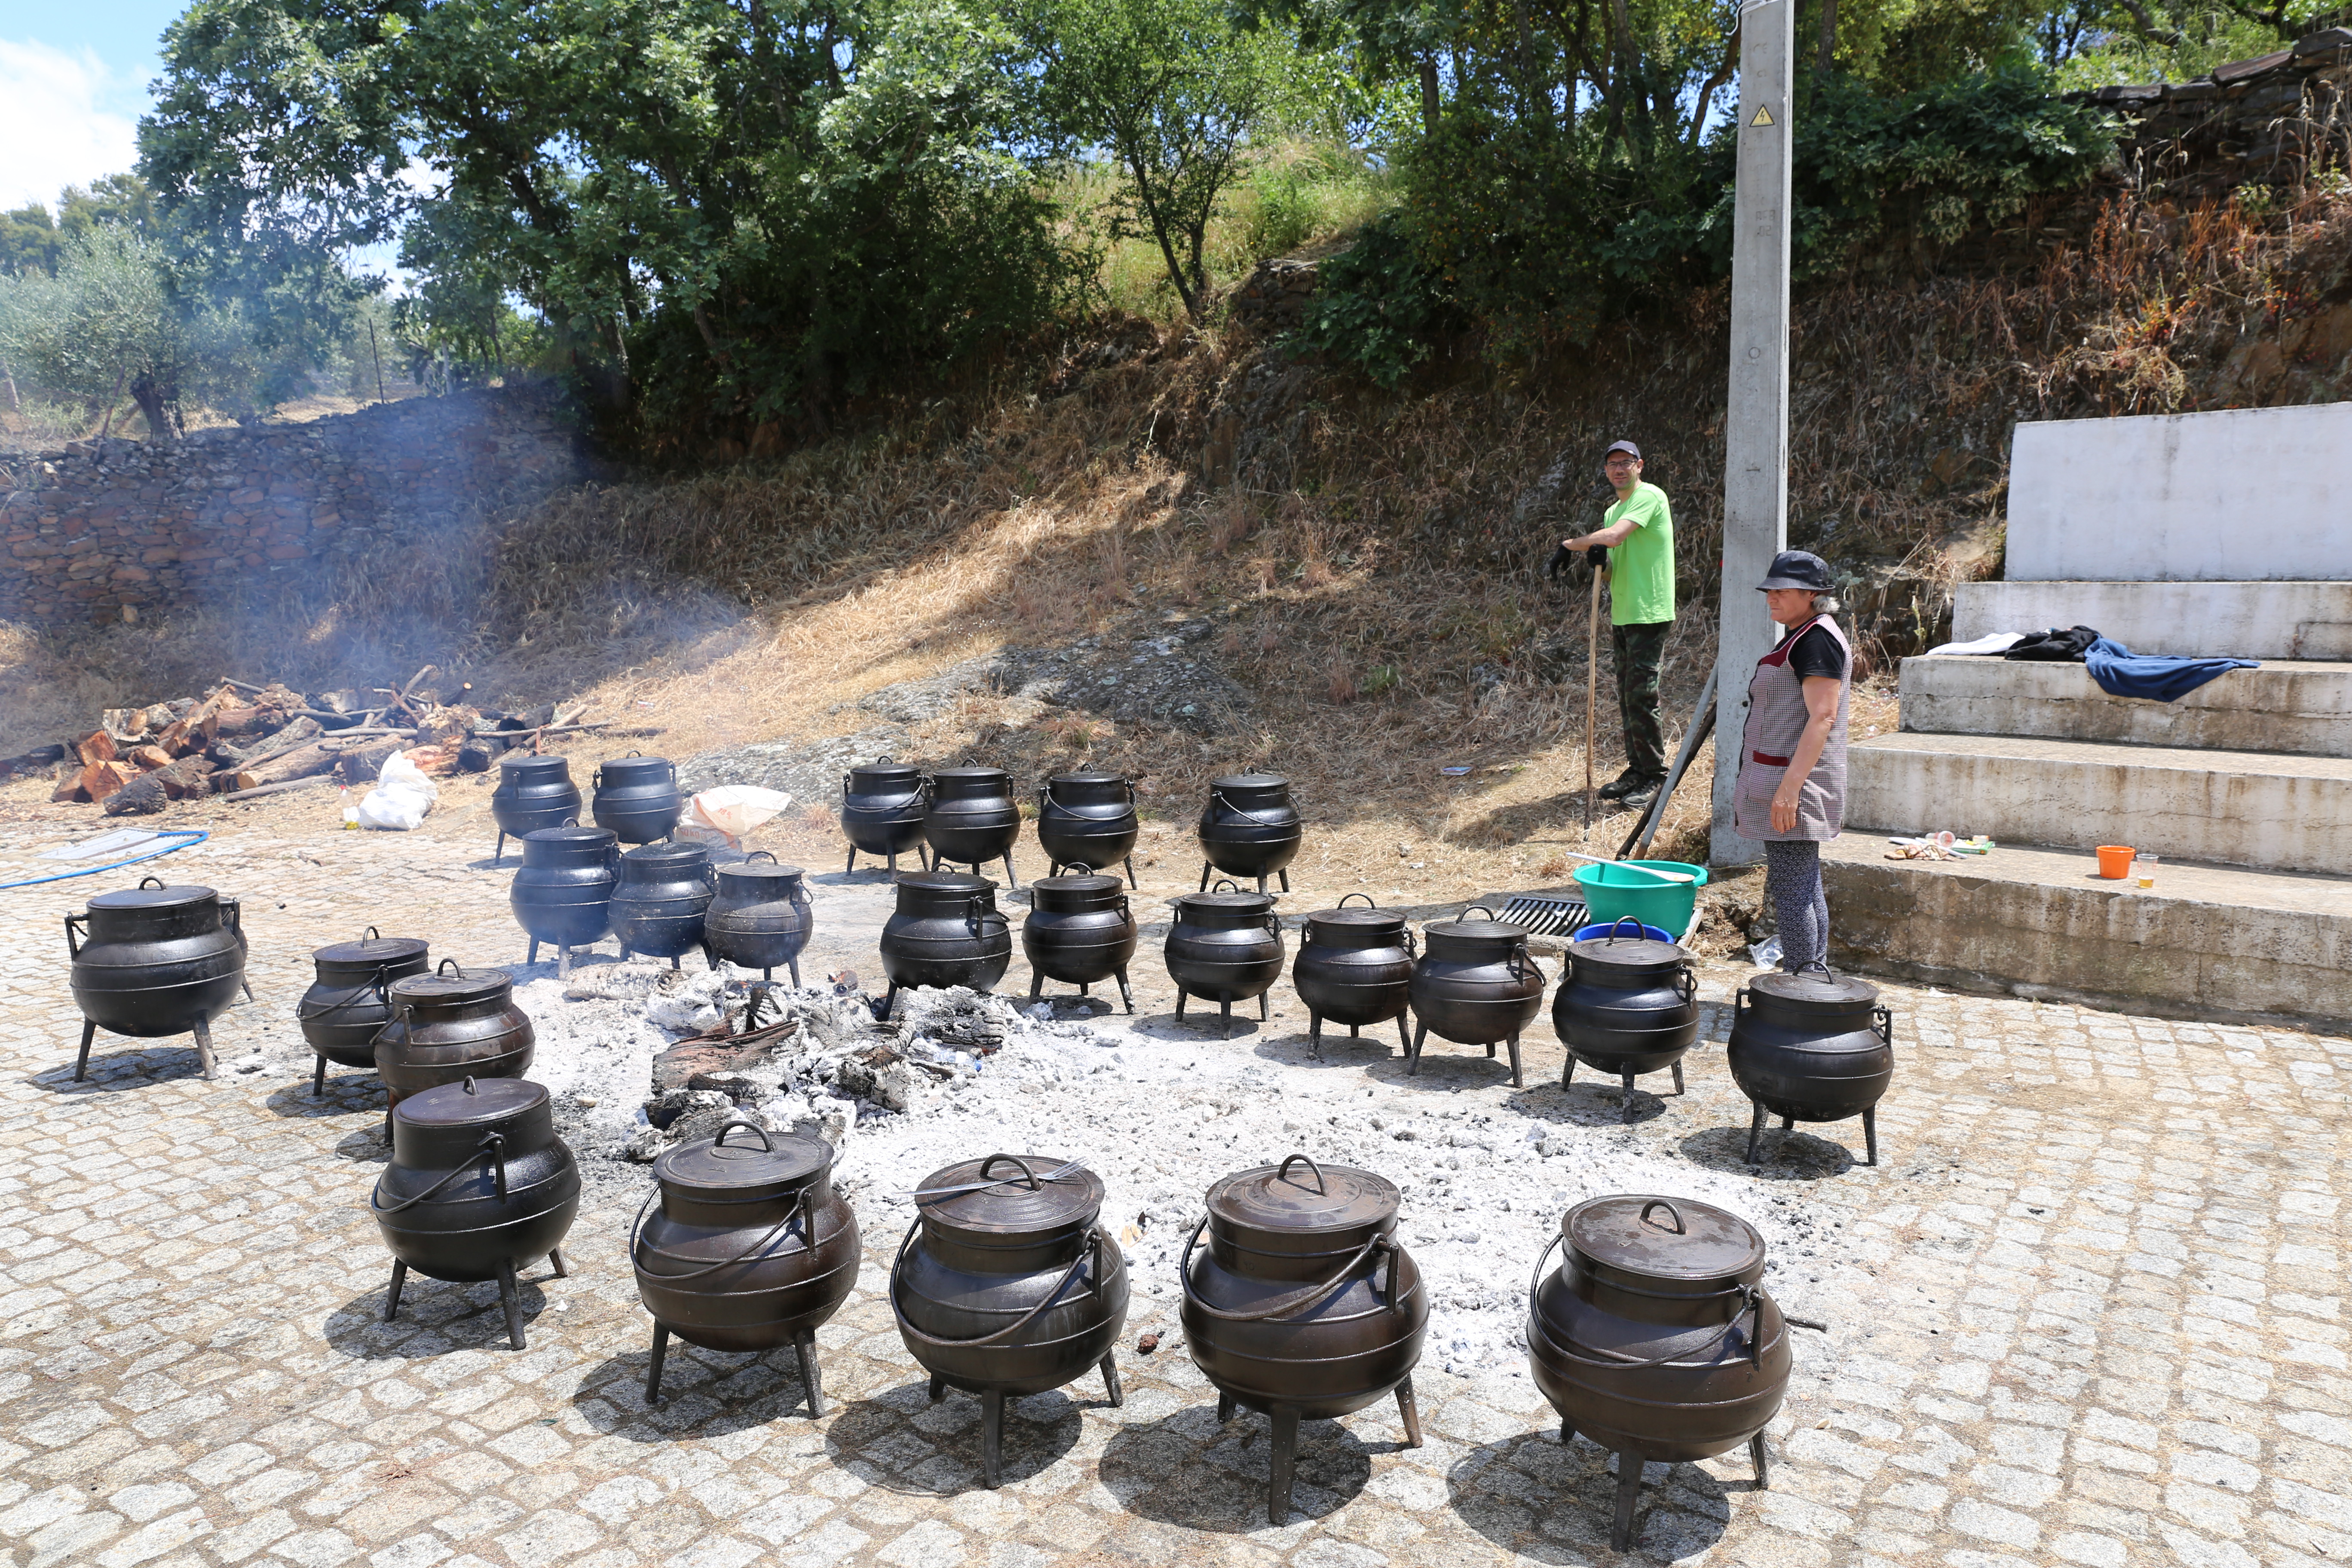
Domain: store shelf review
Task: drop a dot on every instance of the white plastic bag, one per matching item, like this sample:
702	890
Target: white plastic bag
732	812
402	797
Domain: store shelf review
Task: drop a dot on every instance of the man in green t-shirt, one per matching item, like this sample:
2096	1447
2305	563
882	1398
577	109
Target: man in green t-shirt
1639	534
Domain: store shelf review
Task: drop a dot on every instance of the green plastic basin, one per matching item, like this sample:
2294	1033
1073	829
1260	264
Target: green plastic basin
1613	892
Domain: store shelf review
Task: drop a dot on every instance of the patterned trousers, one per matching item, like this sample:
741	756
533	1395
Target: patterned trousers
1637	651
1792	875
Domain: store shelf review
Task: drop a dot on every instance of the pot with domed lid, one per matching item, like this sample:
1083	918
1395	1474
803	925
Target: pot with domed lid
452	1024
1224	947
971	818
347	1004
1628	1004
637	797
882	806
1303	1306
1354	967
1251	828
479	1185
1088	818
1655	1337
759	918
154	961
1081	930
748	1249
563	894
661	900
533	792
1475	984
1005	1284
1811	1046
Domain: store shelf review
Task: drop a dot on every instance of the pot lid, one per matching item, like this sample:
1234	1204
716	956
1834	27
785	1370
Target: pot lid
1251	781
768	1159
669	855
1078	882
1664	1238
771	871
946	882
476	1101
528	764
885	770
633	769
370	951
1628	952
572	836
1299	1196
449	985
1251	903
1360	920
1089	776
978	775
1815	989
159	897
1011	1196
1477	931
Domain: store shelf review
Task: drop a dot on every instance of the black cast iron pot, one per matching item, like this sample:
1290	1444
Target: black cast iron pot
479	1185
563	894
1226	947
347	1004
1354	967
945	932
154	961
1088	818
760	916
1005	1284
1653	1337
1081	930
1811	1046
750	1249
1303	1306
449	1026
1250	828
659	903
1476	985
533	792
882	810
637	798
971	818
1627	1006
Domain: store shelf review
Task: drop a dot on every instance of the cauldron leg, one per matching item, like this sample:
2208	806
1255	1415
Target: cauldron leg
1490	1051
1315	1036
1262	1014
1679	1079
939	1389
205	1047
1788	1124
1180	1010
1763	1470
1012	875
1131	874
852	866
392	1296
1401	1040
1285	1464
1124	994
1410	1410
1567	1073
1086	990
1225	1011
992	1438
1567	1431
1412	1051
1755	1130
1869	1138
500	852
1261	884
1355	1032
1628	1116
563	961
532	957
654	1369
673	961
1110	1380
1629	1493
319	1079
81	1062
555	1261
1284	875
795	965
511	1299
1224	1408
1036	984
1518	1078
889	1000
1204	876
805	1343
244	986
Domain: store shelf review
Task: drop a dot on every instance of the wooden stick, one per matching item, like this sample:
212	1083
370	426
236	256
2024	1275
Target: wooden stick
310	781
1592	686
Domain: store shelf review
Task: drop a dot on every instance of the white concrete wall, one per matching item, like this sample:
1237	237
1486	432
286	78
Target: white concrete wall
2242	494
2237	620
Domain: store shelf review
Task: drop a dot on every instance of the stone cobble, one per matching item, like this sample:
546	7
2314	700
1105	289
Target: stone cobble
2090	1312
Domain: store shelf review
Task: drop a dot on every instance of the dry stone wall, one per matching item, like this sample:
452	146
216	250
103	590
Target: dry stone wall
2272	119
227	516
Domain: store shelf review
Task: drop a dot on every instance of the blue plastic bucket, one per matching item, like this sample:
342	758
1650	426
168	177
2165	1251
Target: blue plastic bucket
1594	932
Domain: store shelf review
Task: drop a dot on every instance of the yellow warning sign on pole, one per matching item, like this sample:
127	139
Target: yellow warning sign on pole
1763	117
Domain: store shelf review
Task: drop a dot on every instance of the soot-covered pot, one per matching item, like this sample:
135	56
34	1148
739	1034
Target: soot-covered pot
1225	946
946	932
348	1002
1005	1284
1088	818
1655	1337
533	792
1627	1006
760	916
972	818
478	1185
1476	985
882	810
1354	967
563	894
660	902
1811	1046
448	1026
1303	1306
1250	828
1081	930
637	797
749	1249
154	961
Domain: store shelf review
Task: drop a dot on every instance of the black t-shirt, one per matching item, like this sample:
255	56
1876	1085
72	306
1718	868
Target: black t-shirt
1817	653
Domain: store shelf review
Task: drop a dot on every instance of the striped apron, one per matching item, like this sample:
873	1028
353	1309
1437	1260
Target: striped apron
1776	719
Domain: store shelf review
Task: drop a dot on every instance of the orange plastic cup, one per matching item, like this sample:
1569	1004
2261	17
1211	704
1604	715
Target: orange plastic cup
2114	861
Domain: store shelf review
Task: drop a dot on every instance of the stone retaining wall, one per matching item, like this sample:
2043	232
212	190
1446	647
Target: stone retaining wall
2272	119
98	529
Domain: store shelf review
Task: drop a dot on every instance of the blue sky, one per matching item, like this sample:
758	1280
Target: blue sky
73	82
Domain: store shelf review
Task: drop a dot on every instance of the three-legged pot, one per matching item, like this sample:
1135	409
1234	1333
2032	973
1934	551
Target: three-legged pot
1811	1046
1081	930
1354	967
882	805
347	1003
1475	984
151	961
1627	1006
1224	947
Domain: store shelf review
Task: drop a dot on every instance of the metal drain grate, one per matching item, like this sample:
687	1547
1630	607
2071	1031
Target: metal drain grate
1543	916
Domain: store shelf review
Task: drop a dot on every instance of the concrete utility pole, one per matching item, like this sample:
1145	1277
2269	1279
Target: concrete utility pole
1756	428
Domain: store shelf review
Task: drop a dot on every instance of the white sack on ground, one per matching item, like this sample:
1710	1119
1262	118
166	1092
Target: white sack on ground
402	797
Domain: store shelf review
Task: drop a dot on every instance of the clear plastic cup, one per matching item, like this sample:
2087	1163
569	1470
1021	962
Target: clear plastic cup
2143	867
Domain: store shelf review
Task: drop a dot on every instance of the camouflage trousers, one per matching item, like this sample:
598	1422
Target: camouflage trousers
1637	651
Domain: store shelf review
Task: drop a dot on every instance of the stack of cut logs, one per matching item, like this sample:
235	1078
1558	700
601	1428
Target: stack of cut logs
238	740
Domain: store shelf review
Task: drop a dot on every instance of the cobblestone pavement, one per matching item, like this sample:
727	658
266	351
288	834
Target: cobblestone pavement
2091	1312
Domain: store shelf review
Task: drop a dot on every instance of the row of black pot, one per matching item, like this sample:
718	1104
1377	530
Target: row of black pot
635	798
576	887
1653	1337
969	816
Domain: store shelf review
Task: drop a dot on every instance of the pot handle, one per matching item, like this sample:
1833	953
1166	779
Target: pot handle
1218	796
1034	1185
755	854
897	1269
232	912
732	1123
1643	1217
369	935
1083	869
1639	934
1223	883
492	1143
1885	1016
1369	902
636	1230
1738	1002
1522	966
1302	1300
1534	1280
1481	908
150	877
1283	1170
1688	982
442	968
73	948
1411	946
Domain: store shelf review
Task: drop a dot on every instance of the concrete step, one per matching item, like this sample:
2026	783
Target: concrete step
2240	620
2208	942
2282	706
2233	809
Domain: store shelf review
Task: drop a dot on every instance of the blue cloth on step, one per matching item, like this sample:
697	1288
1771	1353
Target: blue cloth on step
2158	676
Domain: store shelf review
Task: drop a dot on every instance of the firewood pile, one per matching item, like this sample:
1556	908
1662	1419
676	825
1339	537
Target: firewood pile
239	739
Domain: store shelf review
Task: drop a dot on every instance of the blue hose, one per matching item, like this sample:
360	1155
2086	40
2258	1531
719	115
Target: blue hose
186	836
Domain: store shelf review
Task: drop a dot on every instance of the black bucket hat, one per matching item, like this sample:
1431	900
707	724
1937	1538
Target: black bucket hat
1797	569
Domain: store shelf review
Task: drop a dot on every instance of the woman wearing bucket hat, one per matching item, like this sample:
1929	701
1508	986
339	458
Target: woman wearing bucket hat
1791	790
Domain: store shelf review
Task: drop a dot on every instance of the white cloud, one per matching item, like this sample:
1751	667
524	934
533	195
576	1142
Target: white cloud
51	127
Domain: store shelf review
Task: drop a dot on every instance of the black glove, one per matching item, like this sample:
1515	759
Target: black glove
1563	560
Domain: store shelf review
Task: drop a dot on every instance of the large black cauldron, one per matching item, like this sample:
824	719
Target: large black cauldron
1250	828
347	1005
660	901
637	798
759	918
1225	946
750	1249
151	961
1005	1284
1653	1337
882	810
452	1024
533	792
1304	1306
1081	930
972	818
1088	818
1474	985
563	894
478	1185
1811	1046
1627	1006
945	932
1354	967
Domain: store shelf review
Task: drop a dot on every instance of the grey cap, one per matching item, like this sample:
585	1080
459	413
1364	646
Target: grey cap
1797	569
1627	447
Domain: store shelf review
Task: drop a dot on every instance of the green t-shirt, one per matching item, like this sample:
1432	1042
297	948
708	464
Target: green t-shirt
1642	568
